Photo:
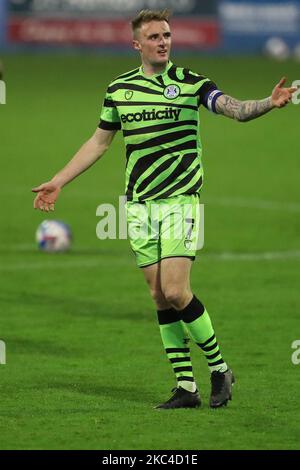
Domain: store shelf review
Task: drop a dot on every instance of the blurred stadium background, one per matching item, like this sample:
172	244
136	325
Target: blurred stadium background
85	363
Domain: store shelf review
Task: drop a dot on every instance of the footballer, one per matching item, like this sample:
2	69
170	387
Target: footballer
156	107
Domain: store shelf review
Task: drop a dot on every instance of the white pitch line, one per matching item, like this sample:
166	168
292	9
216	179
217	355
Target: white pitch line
293	207
55	265
263	256
100	262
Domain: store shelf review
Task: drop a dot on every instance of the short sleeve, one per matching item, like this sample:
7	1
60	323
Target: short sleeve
109	118
208	94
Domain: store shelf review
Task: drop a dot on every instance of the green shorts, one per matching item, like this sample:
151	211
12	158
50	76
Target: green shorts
164	228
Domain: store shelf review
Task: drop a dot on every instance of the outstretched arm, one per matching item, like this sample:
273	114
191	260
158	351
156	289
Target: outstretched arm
247	110
87	155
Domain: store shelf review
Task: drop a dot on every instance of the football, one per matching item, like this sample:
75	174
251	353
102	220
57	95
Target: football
276	48
53	236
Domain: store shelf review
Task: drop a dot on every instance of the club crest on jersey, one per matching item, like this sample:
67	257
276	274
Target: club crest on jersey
128	94
171	92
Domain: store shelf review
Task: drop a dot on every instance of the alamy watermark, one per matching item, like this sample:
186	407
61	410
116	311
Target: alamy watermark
151	220
296	94
2	352
295	358
2	92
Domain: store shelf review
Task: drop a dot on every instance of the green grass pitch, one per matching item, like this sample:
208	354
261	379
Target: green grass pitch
85	363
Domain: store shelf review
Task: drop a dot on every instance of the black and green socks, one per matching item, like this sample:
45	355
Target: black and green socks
198	324
175	329
175	340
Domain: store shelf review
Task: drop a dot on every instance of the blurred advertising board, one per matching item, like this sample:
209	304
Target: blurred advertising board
112	7
188	33
2	22
247	24
107	22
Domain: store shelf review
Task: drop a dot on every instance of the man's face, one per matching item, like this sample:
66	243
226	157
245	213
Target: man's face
153	40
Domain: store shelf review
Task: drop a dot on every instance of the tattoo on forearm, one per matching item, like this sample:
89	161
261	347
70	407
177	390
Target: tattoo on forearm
243	110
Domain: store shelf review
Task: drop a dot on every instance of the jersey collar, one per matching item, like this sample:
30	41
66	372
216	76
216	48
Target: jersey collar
169	65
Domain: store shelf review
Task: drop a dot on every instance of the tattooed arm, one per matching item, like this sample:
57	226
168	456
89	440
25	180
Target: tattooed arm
246	110
243	110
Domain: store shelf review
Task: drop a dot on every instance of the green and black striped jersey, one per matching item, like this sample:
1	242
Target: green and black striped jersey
159	118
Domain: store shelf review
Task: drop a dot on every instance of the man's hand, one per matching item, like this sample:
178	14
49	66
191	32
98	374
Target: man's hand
47	195
282	96
87	155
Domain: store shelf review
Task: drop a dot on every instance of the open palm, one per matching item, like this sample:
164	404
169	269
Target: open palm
282	96
47	194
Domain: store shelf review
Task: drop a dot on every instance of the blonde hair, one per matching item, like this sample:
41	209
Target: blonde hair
145	16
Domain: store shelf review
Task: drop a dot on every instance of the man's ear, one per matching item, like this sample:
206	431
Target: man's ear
136	45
